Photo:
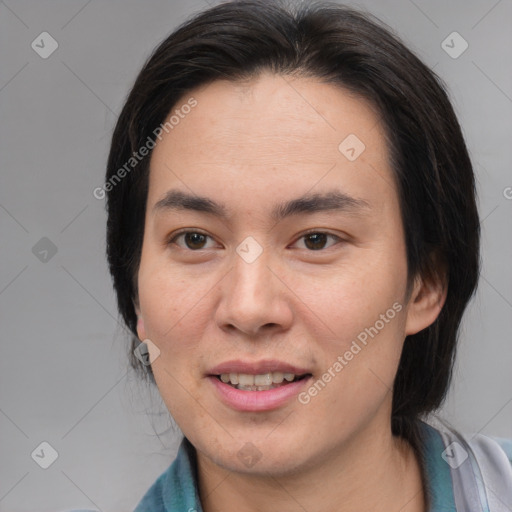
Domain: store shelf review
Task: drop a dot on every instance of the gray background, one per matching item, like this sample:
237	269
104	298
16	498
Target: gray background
63	368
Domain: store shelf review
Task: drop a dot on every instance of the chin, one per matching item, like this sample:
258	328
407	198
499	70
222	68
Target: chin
257	454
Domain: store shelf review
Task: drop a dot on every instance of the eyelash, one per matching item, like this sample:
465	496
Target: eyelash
172	239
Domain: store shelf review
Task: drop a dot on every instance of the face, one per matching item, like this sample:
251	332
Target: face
293	266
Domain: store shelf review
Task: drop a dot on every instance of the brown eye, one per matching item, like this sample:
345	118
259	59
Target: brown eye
316	241
193	240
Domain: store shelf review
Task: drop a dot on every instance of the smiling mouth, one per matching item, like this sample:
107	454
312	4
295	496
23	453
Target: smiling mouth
261	382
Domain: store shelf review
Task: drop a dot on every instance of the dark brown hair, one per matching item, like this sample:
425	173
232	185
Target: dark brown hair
434	176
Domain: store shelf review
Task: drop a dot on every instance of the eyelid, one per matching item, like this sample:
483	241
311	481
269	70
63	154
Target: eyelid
320	232
172	238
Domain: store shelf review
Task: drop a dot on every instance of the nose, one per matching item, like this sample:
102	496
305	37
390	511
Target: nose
254	299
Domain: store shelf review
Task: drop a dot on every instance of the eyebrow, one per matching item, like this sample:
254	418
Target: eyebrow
176	200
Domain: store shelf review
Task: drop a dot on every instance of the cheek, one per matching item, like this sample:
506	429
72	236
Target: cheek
352	298
360	362
174	307
359	316
165	297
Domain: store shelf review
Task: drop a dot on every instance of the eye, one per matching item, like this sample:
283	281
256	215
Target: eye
194	240
316	240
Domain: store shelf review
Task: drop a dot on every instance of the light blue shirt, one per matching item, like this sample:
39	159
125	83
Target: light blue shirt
461	475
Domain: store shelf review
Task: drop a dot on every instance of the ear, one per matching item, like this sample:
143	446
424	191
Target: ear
427	299
141	330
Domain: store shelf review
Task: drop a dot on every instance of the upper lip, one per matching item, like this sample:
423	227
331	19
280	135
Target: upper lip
257	367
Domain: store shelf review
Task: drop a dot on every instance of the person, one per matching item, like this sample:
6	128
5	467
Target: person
293	239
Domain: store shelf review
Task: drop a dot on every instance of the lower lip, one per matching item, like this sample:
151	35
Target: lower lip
257	400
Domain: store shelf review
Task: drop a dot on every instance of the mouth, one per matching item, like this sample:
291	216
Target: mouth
260	382
258	386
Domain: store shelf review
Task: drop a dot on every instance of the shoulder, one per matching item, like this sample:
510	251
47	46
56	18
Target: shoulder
176	488
493	471
493	454
477	467
494	457
505	445
483	447
153	500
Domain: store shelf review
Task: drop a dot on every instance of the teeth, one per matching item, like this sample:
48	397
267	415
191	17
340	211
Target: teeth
263	380
244	379
259	382
277	377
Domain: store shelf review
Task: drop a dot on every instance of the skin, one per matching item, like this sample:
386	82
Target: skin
250	146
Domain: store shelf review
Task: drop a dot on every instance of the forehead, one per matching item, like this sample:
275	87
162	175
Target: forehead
289	133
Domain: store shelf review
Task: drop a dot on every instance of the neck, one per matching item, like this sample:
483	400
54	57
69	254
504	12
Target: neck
373	472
